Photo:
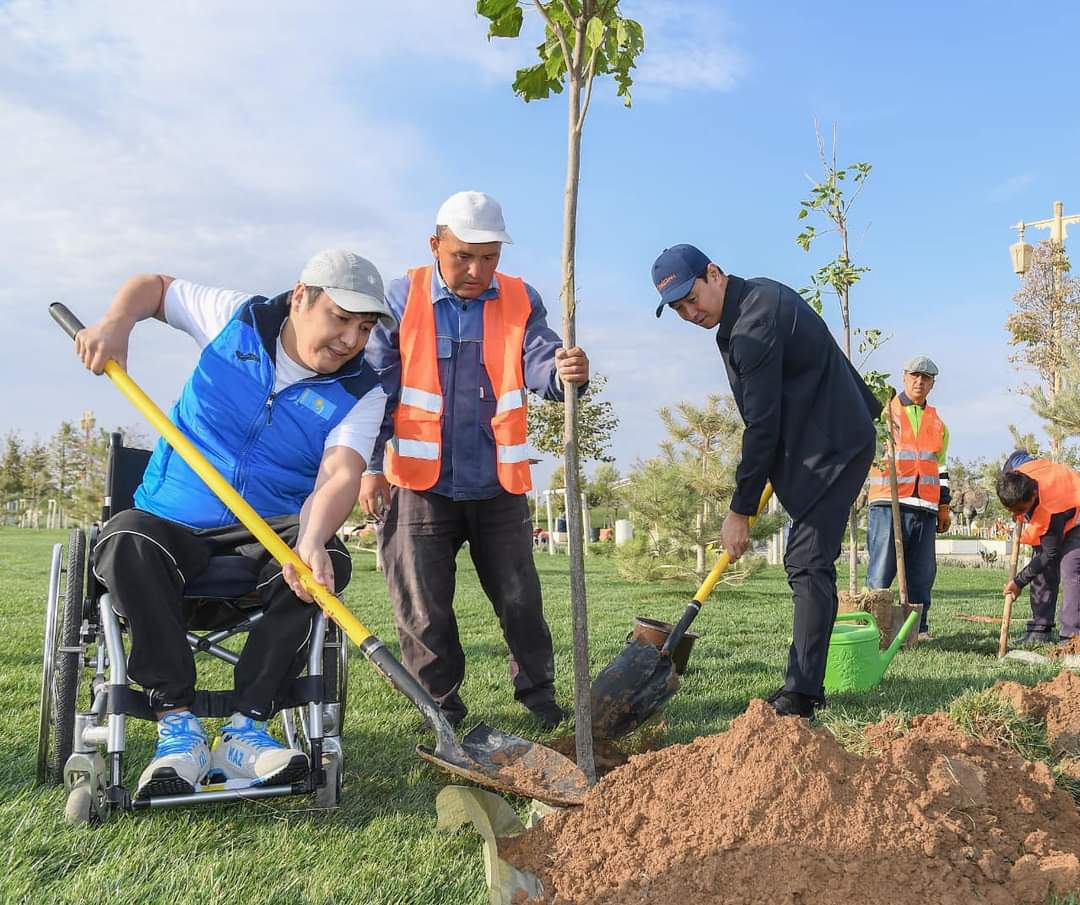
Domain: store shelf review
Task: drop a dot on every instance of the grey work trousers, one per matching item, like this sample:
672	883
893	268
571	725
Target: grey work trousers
1062	574
421	535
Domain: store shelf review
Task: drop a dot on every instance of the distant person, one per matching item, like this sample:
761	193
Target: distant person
283	401
922	443
452	461
1044	497
809	429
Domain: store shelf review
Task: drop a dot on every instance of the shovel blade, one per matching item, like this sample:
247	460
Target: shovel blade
510	763
631	688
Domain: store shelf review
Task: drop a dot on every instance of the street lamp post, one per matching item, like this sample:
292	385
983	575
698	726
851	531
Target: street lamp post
1021	254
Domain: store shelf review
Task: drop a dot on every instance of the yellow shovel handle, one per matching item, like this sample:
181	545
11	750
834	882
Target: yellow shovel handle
248	517
725	558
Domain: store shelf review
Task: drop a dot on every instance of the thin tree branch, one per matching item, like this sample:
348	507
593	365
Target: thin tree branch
589	76
557	29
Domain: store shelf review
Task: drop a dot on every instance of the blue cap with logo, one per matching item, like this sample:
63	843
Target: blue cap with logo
674	273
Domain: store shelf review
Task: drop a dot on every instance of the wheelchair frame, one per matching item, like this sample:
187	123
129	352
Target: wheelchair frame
85	750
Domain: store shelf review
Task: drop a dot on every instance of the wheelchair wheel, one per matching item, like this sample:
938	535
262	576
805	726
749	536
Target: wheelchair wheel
62	660
79	809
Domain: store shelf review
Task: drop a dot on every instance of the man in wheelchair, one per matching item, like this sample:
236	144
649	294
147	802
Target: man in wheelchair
285	407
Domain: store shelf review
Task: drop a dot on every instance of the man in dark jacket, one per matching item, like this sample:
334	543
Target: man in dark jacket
809	429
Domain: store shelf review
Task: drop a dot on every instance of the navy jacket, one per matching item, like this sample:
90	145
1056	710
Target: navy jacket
268	446
808	413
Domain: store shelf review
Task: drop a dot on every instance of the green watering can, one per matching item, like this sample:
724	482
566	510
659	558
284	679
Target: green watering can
855	663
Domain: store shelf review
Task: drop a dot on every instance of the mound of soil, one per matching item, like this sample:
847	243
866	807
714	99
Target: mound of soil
1072	646
1057	703
772	811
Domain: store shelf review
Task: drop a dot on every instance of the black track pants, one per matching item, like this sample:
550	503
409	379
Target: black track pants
145	561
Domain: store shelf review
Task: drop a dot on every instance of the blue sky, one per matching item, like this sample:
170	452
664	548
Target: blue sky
226	143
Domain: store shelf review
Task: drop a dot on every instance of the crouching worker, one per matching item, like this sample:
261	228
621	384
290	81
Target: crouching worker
284	405
1045	498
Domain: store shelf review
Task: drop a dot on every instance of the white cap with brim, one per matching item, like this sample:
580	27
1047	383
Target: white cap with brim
473	217
352	282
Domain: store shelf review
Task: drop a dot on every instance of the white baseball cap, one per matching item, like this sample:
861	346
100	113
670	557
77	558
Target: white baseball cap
473	217
352	282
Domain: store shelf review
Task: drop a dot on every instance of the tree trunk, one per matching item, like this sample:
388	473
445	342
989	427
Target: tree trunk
582	681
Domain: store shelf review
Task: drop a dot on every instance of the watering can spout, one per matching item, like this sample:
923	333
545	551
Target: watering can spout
890	651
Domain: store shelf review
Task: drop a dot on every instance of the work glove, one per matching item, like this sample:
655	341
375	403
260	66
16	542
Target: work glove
944	518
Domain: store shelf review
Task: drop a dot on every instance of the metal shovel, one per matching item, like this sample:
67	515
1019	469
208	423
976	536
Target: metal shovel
485	755
641	679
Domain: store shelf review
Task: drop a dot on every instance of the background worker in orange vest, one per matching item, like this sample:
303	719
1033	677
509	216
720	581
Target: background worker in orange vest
470	343
922	442
1045	498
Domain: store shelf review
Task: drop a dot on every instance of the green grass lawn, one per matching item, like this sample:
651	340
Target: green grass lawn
380	847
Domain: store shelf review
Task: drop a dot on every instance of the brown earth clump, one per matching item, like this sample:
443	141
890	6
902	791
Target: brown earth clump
1056	702
772	811
1072	646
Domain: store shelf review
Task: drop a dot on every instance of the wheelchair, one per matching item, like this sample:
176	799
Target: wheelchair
84	646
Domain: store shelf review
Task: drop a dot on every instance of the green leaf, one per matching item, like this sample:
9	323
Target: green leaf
594	33
494	9
534	84
555	65
508	25
803	212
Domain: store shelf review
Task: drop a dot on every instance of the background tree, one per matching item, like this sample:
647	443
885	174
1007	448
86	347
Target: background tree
38	477
709	440
1045	327
679	497
597	421
582	39
829	199
67	462
12	474
1061	410
603	492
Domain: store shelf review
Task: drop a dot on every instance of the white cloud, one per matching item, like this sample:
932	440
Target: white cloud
1011	187
686	47
222	142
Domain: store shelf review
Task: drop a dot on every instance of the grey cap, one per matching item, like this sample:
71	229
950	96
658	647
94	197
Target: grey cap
352	282
920	364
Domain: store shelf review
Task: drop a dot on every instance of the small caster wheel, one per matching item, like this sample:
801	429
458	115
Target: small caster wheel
81	809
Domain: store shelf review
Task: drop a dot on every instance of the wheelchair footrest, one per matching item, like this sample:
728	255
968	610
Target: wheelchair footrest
215	795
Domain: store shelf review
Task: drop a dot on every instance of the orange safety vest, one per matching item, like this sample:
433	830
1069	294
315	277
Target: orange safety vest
1059	491
916	457
414	453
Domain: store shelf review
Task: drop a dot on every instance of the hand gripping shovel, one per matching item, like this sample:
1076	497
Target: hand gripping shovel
639	681
485	755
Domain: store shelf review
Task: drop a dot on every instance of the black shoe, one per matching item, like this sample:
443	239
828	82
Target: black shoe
549	715
1034	637
792	703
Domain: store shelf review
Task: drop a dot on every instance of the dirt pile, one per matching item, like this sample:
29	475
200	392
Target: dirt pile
1057	703
773	811
1072	646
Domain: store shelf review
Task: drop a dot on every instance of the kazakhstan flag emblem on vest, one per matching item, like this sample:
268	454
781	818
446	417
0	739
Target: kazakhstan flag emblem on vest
309	399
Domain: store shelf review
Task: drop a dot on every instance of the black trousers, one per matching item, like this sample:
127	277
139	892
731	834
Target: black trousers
145	561
810	562
420	539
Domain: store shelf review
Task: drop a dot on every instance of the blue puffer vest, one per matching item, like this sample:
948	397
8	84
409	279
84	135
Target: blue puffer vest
268	446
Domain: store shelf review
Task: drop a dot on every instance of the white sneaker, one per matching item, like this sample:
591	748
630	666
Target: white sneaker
181	760
247	751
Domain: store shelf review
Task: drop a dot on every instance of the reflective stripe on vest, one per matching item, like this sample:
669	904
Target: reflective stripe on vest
1059	491
414	454
916	458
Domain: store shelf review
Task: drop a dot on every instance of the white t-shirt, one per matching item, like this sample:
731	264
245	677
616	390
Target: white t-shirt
202	313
